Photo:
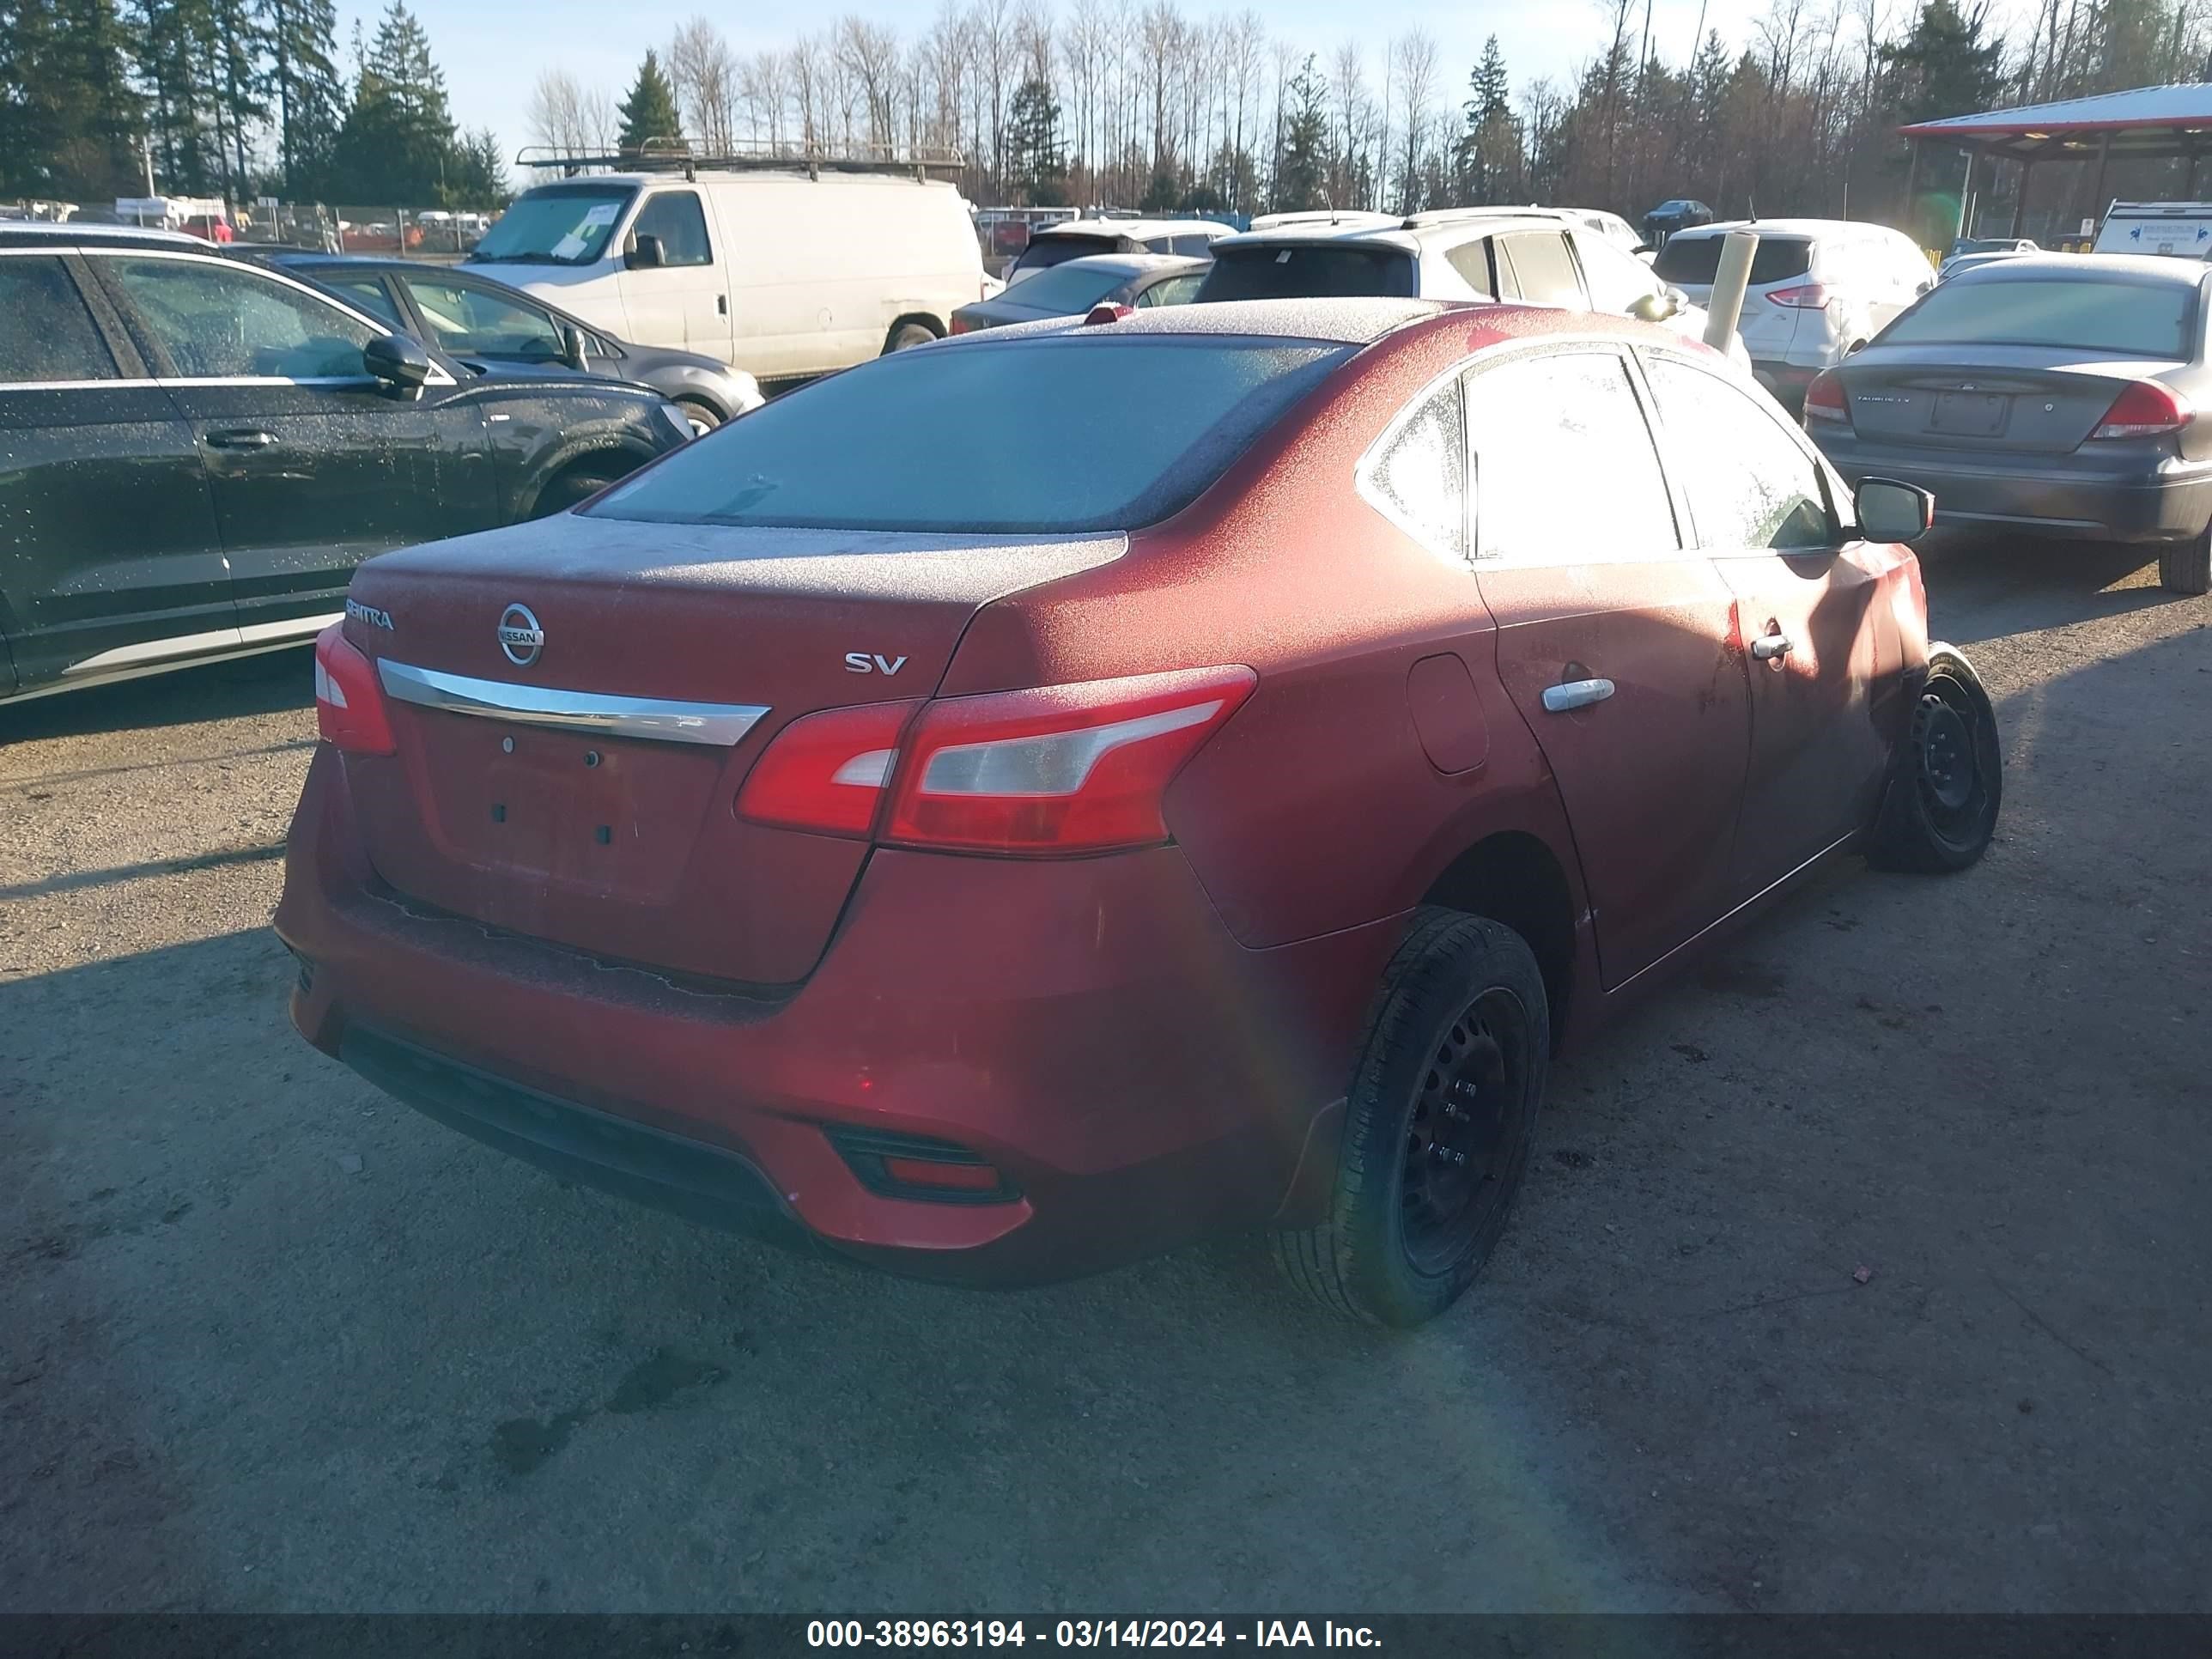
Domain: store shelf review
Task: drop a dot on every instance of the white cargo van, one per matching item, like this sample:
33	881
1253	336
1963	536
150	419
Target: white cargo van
2177	229
772	269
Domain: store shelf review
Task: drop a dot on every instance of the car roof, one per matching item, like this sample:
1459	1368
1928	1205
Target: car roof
1786	228
1334	322
1133	227
65	235
2151	270
1407	234
1135	264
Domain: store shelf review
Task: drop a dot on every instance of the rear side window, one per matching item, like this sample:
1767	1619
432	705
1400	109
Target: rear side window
1697	259
675	216
1749	484
1542	270
1193	246
1048	436
1045	251
1472	261
1308	273
366	292
1067	289
46	332
1419	476
1175	291
1565	470
2131	319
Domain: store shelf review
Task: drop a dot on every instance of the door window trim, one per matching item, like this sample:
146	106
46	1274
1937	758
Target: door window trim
1677	503
645	198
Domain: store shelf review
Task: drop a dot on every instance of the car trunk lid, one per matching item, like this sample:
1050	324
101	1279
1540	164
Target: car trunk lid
585	794
2029	399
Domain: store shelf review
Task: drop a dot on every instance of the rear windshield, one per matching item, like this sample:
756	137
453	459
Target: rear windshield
1697	259
1045	436
2131	319
1264	272
555	225
1067	289
1044	251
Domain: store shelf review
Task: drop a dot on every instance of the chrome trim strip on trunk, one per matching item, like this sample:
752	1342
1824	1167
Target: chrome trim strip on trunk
721	723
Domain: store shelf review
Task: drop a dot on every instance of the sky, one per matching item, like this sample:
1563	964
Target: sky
492	51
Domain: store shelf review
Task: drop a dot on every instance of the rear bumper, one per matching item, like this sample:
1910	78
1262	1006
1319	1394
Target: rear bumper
2148	501
1088	1028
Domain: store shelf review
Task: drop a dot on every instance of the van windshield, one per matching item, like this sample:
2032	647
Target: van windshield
555	225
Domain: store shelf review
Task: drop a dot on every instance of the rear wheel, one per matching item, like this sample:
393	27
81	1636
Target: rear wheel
906	335
1942	808
1438	1128
2186	567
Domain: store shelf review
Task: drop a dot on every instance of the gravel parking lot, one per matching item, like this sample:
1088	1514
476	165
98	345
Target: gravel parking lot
269	1341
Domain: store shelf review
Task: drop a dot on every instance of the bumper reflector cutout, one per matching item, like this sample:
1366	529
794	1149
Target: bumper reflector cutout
912	1167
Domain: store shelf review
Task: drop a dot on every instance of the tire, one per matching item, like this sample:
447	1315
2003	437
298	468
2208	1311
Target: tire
2186	567
1452	1063
904	337
563	492
1941	809
703	416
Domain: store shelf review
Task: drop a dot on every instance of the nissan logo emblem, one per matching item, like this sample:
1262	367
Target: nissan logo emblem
520	635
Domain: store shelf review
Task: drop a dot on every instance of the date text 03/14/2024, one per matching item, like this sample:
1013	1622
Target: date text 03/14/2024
1085	1634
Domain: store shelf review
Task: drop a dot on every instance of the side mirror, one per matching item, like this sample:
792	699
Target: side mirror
1893	511
399	362
645	252
572	345
1657	307
1854	347
1106	311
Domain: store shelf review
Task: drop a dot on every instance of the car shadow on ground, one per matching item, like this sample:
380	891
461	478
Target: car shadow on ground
263	684
2016	584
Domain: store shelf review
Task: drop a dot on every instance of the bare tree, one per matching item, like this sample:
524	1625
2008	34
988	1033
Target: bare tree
556	111
1413	58
704	74
764	85
869	55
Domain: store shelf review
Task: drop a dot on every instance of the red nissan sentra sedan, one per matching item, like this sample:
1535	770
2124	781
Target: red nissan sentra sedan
1030	802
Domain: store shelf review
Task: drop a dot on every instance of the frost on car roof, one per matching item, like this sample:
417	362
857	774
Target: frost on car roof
1356	321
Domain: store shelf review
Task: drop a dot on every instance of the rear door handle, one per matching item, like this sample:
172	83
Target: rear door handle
1767	646
722	304
240	438
1575	694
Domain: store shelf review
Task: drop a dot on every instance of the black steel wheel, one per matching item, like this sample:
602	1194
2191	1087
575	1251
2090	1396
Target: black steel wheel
1438	1125
1942	808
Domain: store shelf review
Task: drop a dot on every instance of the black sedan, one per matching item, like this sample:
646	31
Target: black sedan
1130	282
2058	394
480	318
195	453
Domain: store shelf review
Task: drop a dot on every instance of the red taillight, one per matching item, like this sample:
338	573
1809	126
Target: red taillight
960	324
826	772
1806	296
1824	399
1061	769
349	708
2147	409
1108	311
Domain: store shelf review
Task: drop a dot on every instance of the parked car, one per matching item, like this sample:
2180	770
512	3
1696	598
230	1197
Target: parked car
1679	214
1611	226
2056	393
1958	262
1540	255
1965	245
1148	800
1126	281
1054	245
196	451
2167	229
1820	288
774	270
478	320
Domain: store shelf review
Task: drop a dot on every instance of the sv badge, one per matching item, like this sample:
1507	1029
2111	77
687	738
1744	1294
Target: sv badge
863	662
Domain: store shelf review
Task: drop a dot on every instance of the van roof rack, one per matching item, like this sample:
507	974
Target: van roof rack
687	156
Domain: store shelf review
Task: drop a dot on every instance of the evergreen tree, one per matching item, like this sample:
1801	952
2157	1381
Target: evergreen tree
1033	147
310	96
1300	177
396	145
478	178
68	118
649	112
237	84
1943	67
1489	149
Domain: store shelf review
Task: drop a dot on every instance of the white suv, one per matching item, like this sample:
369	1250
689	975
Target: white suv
1820	288
1540	256
1077	239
